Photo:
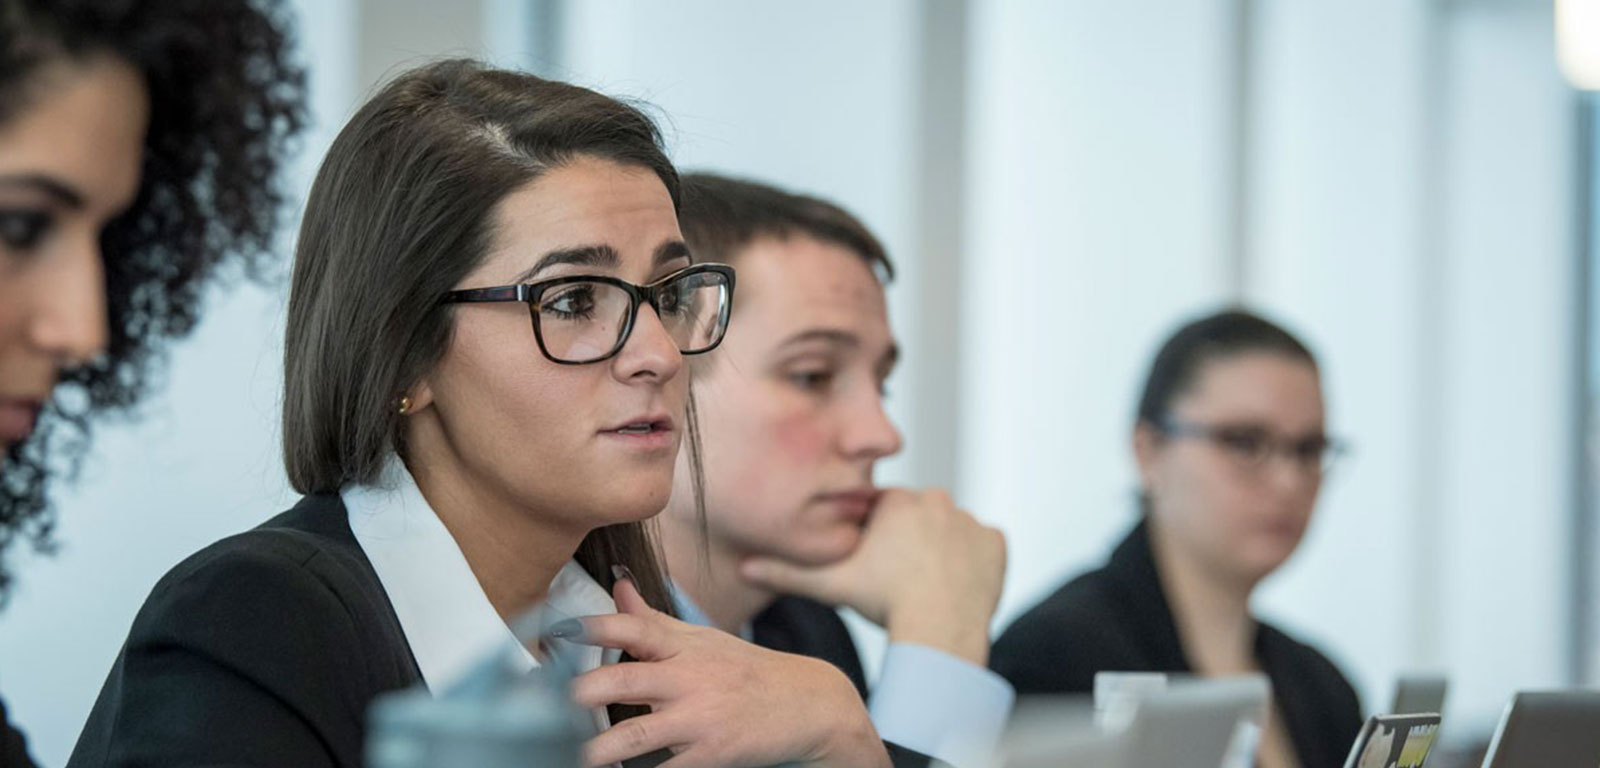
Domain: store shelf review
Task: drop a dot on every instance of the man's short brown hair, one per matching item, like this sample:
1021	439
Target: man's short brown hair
721	216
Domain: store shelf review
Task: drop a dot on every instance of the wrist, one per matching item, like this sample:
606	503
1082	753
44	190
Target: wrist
851	740
962	637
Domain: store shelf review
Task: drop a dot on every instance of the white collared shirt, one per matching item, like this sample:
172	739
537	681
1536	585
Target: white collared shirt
445	615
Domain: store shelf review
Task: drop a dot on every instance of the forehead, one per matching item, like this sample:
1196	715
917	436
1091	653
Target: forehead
801	282
1264	387
585	202
85	126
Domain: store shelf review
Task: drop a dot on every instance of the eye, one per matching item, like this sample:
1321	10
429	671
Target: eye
674	298
1312	449
812	380
576	301
21	230
1248	443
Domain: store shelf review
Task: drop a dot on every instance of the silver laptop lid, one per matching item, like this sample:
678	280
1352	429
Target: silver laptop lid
1555	729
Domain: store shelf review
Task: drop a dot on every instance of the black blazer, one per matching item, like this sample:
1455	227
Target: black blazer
13	748
262	649
1117	618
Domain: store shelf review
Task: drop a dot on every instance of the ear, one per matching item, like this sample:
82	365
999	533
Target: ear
1147	445
421	395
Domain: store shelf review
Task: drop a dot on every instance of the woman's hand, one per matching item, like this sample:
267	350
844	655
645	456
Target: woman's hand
717	700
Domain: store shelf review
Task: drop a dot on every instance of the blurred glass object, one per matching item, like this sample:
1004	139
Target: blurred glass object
497	716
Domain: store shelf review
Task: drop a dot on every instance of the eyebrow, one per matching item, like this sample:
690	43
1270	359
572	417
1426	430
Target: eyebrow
62	192
600	257
825	335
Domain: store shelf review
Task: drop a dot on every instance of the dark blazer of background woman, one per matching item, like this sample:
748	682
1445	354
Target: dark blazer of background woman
1117	619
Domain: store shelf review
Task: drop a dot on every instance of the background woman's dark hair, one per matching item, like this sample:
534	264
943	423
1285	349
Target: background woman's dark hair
225	100
1185	354
721	216
400	213
1188	350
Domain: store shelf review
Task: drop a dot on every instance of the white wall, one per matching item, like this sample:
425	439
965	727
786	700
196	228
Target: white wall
1511	373
1097	218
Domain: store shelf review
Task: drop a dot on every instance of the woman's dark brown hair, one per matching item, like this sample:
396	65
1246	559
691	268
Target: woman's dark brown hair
1220	335
400	213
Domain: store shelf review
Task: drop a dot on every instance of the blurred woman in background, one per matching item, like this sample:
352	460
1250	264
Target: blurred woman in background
140	144
1232	448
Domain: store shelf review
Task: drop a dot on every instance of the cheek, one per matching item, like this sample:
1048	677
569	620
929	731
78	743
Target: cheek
800	438
1211	501
764	452
763	461
508	411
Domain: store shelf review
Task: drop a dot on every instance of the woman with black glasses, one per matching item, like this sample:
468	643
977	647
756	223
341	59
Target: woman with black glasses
1232	449
485	394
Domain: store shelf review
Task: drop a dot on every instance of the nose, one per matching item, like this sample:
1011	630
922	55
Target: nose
650	353
68	317
868	432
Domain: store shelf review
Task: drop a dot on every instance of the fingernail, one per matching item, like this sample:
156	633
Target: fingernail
566	629
621	573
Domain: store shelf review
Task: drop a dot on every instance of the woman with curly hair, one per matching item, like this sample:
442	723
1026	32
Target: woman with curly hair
140	143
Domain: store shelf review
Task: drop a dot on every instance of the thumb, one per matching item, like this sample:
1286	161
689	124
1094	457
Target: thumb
788	578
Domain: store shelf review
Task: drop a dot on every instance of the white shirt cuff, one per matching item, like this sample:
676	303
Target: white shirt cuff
942	706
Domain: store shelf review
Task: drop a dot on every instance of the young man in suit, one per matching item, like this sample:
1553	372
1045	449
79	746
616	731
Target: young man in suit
792	421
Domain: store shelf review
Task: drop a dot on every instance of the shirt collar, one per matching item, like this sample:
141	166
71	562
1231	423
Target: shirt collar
447	619
690	612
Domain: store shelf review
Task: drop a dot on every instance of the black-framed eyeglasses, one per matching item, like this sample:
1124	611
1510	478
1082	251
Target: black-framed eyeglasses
1251	446
580	319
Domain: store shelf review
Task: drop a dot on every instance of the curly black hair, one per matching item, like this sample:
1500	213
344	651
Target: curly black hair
226	99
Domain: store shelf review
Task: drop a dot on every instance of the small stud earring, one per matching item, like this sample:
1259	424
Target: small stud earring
405	405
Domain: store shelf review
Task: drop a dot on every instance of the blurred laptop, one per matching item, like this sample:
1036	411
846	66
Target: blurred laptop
1191	724
1418	694
1060	732
1548	730
1199	723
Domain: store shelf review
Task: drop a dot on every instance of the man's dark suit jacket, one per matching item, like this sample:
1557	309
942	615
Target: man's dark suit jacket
263	649
809	628
1117	619
13	747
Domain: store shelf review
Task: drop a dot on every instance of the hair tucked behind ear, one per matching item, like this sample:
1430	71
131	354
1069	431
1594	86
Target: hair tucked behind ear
399	214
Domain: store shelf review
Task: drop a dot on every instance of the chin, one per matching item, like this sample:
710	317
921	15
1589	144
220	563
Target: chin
821	547
631	502
1262	560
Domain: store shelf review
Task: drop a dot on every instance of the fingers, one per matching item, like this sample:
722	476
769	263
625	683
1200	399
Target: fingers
643	639
631	738
630	682
628	599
